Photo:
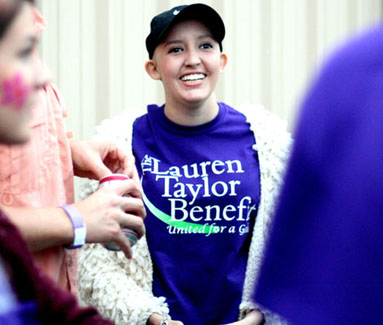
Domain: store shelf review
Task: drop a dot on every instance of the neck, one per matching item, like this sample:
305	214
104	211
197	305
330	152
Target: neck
192	114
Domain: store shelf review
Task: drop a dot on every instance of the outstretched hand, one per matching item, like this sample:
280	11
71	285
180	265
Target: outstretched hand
95	159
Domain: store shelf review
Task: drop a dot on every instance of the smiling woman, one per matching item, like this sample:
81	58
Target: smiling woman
188	62
203	165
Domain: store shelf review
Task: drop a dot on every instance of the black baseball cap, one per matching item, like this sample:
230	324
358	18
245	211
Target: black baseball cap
161	24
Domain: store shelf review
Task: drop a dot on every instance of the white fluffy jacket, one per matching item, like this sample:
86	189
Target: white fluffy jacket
121	289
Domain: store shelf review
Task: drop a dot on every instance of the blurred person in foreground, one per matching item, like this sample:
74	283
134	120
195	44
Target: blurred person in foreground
324	261
36	179
27	295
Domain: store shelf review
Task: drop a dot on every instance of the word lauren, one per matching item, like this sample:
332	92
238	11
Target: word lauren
182	194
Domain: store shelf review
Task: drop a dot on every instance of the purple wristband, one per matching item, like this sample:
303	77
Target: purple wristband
79	226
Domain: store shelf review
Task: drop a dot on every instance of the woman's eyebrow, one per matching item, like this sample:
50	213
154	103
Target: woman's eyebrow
205	36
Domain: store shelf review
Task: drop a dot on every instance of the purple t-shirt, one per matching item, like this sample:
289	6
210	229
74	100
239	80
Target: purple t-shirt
202	189
324	262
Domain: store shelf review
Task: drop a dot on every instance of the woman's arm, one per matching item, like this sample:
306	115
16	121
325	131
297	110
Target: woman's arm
103	213
41	227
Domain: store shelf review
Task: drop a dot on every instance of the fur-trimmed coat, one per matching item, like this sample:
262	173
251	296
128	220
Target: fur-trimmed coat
121	289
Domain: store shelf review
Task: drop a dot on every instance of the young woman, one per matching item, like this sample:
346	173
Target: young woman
37	178
27	295
210	175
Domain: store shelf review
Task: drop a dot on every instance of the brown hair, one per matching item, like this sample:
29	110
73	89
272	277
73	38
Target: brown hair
8	11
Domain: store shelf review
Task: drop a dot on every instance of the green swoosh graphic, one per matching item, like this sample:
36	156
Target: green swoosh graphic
201	229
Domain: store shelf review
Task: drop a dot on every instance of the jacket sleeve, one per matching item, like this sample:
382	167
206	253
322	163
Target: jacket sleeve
273	143
119	288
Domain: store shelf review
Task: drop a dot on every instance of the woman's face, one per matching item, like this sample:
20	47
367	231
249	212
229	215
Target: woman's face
188	62
21	76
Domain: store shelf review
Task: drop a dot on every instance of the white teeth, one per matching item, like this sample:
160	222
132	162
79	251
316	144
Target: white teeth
193	77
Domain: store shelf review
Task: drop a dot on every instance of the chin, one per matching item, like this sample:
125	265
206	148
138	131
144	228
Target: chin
195	100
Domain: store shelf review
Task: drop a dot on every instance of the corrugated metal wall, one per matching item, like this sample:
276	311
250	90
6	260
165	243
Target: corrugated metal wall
95	50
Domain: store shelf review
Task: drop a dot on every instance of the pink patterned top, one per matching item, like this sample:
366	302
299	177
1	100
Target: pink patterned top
40	174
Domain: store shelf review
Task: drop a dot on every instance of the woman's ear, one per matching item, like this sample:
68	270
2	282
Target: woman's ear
152	70
223	62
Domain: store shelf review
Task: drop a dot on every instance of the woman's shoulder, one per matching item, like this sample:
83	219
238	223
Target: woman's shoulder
270	130
263	121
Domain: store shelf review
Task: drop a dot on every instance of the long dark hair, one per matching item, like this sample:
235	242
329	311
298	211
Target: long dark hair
8	11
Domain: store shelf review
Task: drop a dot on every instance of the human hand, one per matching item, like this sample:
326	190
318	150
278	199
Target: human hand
95	159
255	317
106	211
156	319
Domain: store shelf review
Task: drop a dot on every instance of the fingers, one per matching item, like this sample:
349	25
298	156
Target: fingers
99	169
128	162
133	206
133	222
174	322
108	210
124	245
134	215
98	158
136	177
129	187
119	160
130	209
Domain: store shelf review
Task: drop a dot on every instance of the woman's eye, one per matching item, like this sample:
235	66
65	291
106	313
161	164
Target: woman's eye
206	46
26	53
175	50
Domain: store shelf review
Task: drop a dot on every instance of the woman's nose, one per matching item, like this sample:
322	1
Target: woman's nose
42	74
192	57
